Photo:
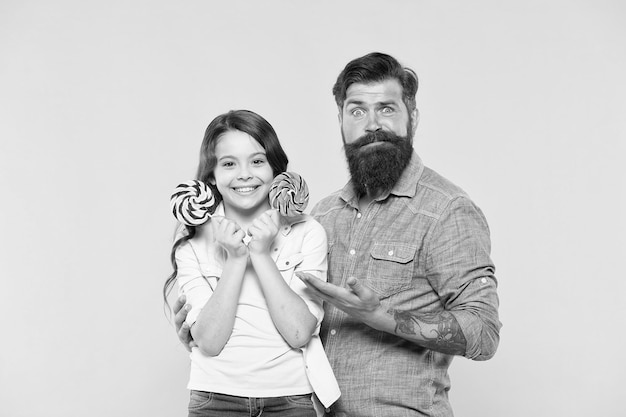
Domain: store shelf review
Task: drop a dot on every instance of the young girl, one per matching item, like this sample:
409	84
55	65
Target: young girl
255	324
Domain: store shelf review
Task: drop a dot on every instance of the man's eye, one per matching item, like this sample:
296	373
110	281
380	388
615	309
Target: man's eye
358	113
387	110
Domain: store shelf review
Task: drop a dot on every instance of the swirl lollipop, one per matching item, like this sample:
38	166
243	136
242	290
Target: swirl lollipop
193	203
289	194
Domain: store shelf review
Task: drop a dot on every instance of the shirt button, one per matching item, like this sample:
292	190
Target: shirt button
390	253
352	251
333	332
483	280
358	215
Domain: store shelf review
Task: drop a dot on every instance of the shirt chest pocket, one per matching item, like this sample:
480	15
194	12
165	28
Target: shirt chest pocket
390	267
287	264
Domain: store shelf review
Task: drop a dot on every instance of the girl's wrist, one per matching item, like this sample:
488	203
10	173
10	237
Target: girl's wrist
238	257
260	254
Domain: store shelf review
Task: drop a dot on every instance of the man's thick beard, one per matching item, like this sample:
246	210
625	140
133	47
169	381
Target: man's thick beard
377	169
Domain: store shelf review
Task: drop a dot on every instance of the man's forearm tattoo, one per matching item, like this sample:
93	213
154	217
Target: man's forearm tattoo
441	331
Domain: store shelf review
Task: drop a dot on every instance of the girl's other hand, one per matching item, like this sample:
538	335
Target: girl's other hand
230	236
263	231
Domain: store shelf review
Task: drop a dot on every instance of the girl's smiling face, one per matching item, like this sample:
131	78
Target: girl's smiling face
243	175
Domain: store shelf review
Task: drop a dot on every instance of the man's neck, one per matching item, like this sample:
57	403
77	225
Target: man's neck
367	198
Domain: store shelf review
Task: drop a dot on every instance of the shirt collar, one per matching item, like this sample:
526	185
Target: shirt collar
219	210
286	223
405	186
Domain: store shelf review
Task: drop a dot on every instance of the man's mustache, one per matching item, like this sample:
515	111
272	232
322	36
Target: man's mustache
372	137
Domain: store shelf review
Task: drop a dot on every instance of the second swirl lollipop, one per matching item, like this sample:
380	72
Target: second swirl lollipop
193	203
289	194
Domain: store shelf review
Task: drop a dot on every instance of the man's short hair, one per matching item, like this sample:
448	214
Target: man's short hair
376	67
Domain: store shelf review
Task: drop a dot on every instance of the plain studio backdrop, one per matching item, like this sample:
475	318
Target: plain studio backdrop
103	107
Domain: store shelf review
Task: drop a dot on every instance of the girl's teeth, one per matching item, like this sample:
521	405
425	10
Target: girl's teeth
244	189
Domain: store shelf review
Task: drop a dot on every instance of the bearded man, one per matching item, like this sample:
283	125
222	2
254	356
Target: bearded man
411	282
410	279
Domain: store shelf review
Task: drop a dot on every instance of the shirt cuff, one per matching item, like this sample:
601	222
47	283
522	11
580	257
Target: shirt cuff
192	316
481	342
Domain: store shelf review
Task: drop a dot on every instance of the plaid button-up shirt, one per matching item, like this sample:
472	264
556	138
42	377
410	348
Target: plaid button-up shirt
424	248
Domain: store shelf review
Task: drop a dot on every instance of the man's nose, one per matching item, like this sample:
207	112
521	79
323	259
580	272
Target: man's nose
373	122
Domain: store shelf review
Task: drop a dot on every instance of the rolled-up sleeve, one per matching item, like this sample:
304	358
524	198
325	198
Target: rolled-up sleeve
195	280
461	271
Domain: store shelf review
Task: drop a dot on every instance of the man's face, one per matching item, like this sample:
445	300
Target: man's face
377	133
374	107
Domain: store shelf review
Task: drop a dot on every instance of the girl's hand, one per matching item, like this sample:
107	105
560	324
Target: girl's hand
263	231
230	236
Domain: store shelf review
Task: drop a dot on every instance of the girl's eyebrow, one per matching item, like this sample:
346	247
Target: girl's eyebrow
254	155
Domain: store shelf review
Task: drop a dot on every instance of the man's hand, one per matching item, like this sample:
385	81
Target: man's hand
437	331
358	300
183	331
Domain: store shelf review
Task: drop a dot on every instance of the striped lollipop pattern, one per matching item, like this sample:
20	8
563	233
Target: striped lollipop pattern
289	194
193	203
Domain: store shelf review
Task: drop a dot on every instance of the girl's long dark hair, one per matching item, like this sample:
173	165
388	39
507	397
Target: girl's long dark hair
244	121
